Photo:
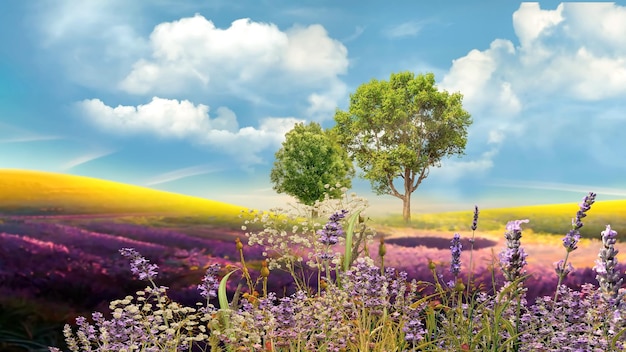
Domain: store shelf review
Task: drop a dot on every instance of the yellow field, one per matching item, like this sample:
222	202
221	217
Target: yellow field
36	192
52	193
544	219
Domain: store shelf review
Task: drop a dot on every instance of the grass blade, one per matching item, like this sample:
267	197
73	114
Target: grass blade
221	293
349	234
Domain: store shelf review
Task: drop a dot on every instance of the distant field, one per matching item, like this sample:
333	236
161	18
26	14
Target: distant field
545	219
43	193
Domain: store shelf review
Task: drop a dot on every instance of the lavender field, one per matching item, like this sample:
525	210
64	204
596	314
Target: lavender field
52	270
72	269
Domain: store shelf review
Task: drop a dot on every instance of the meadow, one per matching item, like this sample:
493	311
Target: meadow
288	287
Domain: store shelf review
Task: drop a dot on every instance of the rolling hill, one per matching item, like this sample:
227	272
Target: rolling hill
45	193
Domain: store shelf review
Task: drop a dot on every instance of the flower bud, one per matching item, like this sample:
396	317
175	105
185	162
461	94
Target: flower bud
265	271
238	244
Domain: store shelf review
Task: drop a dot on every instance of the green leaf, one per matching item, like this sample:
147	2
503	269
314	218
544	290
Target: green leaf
349	234
221	293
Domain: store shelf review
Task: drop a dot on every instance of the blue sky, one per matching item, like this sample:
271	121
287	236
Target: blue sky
195	97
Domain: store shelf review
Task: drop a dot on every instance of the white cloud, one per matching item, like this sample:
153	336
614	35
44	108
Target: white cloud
574	53
530	22
478	76
358	30
247	142
93	41
406	29
83	159
164	117
170	118
577	49
193	53
322	105
181	173
14	134
29	139
452	170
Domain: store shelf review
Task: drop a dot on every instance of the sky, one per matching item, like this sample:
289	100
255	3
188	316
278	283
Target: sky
195	97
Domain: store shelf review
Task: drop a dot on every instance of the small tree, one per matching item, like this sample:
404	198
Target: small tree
309	159
399	129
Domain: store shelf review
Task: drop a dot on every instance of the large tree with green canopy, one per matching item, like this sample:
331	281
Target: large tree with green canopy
399	129
310	158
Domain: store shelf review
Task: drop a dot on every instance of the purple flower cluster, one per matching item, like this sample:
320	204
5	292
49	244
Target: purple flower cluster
366	282
210	283
570	241
579	321
455	265
331	232
414	329
513	257
608	277
139	265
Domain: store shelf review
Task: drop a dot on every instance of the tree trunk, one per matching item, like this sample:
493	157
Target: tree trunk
406	200
406	209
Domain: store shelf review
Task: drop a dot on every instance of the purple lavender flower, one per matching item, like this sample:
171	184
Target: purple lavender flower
413	329
515	225
329	235
139	265
561	269
513	258
475	221
210	284
366	282
609	278
455	265
570	241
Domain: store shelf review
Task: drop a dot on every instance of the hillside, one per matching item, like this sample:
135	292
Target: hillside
36	192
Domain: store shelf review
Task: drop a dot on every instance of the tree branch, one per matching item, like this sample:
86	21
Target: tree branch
422	176
395	192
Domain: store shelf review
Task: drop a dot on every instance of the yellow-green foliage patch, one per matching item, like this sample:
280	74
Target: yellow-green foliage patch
35	192
552	219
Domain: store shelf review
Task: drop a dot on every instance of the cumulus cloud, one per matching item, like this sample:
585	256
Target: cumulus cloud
174	119
574	53
578	49
192	52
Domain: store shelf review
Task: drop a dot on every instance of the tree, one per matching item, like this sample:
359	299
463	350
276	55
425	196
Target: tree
309	159
400	129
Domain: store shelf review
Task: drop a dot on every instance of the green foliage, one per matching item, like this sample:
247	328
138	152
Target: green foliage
309	159
400	129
